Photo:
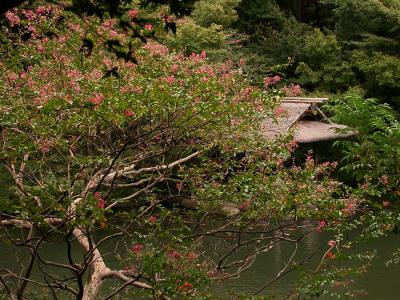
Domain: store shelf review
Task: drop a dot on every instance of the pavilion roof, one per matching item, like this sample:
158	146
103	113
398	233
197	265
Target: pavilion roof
308	122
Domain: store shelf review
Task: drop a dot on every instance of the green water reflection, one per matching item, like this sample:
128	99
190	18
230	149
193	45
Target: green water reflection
380	282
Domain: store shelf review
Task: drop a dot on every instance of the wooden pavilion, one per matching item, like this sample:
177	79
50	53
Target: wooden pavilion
307	123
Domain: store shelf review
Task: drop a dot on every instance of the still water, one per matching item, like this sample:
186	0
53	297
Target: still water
380	282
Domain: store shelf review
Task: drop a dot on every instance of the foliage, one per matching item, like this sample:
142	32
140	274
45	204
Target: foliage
192	37
205	28
221	12
357	44
372	159
259	17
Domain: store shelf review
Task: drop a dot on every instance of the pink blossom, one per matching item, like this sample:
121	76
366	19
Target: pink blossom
130	64
137	248
113	33
73	74
108	24
331	243
245	205
149	27
384	180
198	57
206	69
174	68
23	75
153	219
170	79
205	79
41	10
192	255
97	99
133	13
95	75
12	18
62	38
169	19
128	113
242	62
292	90
156	48
269	81
173	254
40	48
279	111
69	98
185	286
137	89
29	14
74	27
322	225
101	203
32	30
330	255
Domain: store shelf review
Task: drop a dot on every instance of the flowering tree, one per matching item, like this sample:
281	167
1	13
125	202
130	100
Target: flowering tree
93	143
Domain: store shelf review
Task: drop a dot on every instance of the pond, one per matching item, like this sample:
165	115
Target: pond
380	282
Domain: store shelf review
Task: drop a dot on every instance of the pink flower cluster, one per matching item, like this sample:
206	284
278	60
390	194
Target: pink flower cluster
133	13
149	27
185	286
12	18
156	49
97	99
29	14
198	57
169	79
245	205
384	180
322	225
270	81
153	219
173	254
293	90
174	68
206	69
137	248
168	19
42	10
279	111
100	201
